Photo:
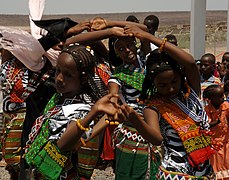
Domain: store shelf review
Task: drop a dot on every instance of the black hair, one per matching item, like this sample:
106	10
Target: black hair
132	18
210	91
114	60
151	21
86	63
158	62
171	38
226	53
211	56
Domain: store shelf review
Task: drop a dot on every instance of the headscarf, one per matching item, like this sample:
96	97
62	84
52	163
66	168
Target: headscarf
23	46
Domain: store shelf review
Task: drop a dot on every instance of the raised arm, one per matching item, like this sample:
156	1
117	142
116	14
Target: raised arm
179	55
99	23
89	37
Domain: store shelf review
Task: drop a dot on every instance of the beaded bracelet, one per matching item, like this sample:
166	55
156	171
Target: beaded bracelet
80	125
161	48
108	121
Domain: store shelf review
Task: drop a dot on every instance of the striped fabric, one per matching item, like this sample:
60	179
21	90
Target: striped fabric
167	175
12	136
175	157
87	158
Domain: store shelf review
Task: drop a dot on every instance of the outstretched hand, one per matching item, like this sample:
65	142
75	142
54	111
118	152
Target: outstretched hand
85	25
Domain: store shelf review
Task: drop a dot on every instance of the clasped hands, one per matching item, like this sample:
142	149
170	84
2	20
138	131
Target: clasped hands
116	111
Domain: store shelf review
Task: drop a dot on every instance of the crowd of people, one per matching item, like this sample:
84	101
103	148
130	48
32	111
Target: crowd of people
141	104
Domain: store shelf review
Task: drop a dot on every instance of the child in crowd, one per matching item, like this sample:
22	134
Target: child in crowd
183	122
207	69
218	113
67	116
132	18
135	157
21	73
152	23
172	39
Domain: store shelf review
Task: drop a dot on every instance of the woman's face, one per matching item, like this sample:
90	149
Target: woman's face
168	83
67	77
126	50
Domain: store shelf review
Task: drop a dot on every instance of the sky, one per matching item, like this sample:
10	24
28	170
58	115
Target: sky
107	6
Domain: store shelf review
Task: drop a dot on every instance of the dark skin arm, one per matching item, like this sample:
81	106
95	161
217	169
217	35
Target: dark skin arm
89	37
85	25
99	23
98	128
183	58
148	126
73	133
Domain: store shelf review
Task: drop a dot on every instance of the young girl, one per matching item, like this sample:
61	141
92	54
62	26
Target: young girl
135	157
55	135
218	113
184	125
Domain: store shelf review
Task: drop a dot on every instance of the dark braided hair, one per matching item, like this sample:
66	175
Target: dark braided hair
86	63
158	62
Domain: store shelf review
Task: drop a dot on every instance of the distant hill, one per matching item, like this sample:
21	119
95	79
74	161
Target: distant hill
166	18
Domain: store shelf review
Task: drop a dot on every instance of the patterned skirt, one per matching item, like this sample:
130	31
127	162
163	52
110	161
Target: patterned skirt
87	158
11	141
135	158
164	175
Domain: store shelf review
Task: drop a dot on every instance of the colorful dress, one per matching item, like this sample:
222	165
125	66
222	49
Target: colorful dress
135	157
186	146
17	84
220	160
50	127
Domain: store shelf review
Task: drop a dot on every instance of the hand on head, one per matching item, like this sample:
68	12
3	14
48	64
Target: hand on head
84	25
118	32
98	23
132	30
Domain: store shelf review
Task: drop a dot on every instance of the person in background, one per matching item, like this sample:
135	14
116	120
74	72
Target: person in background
152	23
20	75
1	114
132	18
218	113
224	66
172	39
207	69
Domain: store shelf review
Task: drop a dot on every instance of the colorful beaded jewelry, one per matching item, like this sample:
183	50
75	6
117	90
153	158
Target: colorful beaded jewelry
110	122
80	125
161	48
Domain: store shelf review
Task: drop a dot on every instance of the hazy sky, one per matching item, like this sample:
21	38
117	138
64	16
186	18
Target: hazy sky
107	6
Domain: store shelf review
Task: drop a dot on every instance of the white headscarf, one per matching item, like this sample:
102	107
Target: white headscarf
23	46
